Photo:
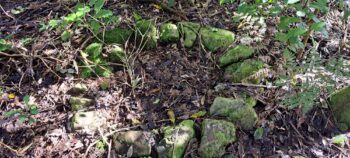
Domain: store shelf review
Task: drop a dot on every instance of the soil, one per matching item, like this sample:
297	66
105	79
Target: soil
170	78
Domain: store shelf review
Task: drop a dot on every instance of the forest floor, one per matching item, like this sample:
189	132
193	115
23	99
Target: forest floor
171	78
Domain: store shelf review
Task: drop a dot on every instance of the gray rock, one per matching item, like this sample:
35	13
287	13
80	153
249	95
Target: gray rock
88	121
79	88
175	140
78	103
133	143
216	135
234	110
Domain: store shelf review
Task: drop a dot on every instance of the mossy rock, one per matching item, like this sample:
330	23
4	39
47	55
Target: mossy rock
234	110
116	35
175	140
133	143
147	31
79	88
214	38
243	70
216	135
87	121
189	32
339	103
235	54
169	33
78	103
117	55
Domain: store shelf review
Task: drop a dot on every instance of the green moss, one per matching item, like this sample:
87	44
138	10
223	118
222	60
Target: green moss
86	72
189	32
235	54
117	55
104	71
116	35
243	70
216	134
175	140
147	31
169	33
245	116
214	38
94	50
340	106
224	106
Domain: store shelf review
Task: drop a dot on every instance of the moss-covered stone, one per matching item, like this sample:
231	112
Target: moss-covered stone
175	140
78	103
169	33
216	135
117	55
243	70
235	54
214	38
116	35
133	143
340	105
87	121
79	88
147	32
189	32
234	110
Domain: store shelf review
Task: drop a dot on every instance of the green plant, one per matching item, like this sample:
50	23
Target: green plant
26	114
91	16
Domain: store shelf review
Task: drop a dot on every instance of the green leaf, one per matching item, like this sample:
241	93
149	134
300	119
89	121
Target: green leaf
300	13
95	26
4	45
66	35
221	2
292	1
31	120
171	3
320	5
295	32
11	113
282	37
22	118
339	139
259	132
26	99
198	114
103	13
98	5
346	14
286	20
33	110
318	26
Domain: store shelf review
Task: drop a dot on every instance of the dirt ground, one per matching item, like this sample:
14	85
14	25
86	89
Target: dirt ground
171	78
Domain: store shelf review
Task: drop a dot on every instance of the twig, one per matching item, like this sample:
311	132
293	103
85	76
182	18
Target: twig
253	85
7	13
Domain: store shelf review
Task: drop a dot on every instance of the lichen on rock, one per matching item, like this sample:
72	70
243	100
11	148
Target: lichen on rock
215	38
169	33
216	135
87	121
175	140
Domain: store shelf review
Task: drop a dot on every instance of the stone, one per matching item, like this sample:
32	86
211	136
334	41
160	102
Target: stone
78	103
214	39
235	54
116	35
339	103
147	32
117	55
133	143
175	140
189	32
234	110
79	88
169	33
88	121
242	71
216	135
